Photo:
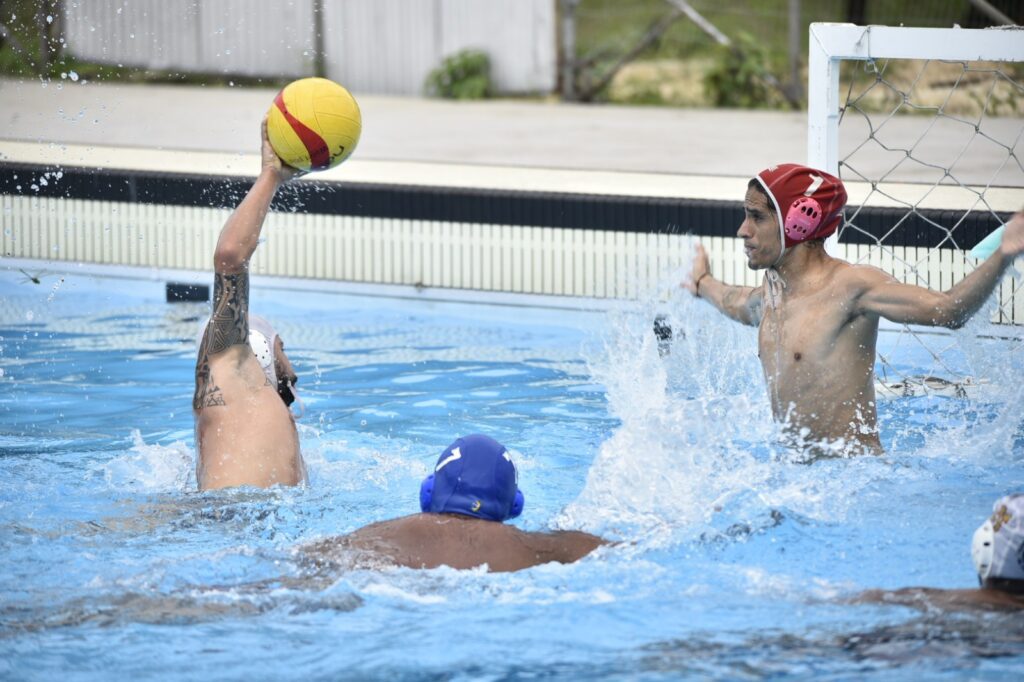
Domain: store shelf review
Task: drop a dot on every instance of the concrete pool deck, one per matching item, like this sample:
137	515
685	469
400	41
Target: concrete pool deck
494	132
501	133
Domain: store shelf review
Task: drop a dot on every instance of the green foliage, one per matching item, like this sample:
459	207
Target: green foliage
33	49
464	75
740	77
23	49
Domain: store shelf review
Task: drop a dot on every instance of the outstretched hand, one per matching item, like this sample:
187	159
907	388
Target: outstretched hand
1013	236
701	268
271	162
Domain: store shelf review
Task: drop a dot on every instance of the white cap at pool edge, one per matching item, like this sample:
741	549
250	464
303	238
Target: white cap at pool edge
998	547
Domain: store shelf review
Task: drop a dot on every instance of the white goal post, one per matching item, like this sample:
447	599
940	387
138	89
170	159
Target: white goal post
830	44
931	148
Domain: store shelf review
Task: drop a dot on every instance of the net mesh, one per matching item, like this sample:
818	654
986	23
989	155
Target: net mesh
933	153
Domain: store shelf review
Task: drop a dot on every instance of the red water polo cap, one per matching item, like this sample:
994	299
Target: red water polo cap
809	202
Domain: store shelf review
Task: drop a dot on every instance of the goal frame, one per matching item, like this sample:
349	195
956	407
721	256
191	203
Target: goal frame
829	44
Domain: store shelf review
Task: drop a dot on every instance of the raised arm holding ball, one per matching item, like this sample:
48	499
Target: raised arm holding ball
245	384
245	431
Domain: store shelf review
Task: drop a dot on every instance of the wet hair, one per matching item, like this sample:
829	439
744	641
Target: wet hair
755	185
1009	585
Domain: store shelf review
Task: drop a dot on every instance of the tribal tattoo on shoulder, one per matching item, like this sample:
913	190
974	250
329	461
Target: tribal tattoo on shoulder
229	326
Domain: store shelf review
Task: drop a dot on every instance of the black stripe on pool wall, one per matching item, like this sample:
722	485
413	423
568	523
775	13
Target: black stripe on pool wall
495	207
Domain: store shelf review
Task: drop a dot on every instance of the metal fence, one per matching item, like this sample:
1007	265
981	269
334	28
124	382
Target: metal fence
373	46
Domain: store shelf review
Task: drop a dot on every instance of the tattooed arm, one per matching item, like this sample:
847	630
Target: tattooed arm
229	323
742	304
228	326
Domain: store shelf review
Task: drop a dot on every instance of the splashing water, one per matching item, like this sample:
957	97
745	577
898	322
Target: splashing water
729	542
151	467
994	428
691	414
697	452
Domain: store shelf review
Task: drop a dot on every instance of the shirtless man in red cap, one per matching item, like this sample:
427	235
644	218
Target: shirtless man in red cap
818	315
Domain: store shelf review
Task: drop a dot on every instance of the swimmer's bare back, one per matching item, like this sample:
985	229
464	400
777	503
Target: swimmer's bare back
433	540
245	434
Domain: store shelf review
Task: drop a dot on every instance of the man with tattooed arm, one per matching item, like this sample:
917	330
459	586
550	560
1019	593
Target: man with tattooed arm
246	436
245	431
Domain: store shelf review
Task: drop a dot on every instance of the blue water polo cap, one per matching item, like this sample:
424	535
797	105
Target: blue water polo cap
474	476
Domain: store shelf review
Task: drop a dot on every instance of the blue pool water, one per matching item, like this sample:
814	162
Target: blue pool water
736	559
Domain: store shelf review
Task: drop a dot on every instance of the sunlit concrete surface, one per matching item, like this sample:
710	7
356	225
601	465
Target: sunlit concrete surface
498	132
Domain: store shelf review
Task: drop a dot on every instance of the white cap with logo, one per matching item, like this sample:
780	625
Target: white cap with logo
998	547
262	338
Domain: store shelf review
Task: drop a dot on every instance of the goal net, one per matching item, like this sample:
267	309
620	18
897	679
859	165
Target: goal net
926	128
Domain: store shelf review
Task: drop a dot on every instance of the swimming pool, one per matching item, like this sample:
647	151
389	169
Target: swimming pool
735	557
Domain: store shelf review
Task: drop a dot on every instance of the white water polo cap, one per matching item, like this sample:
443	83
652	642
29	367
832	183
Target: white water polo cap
998	547
262	339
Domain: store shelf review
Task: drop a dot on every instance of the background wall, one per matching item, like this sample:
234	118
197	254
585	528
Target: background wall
372	46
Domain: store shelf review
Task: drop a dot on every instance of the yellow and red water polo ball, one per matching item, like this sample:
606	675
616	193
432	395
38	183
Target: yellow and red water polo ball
314	124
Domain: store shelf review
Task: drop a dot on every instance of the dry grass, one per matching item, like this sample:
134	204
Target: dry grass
674	82
958	90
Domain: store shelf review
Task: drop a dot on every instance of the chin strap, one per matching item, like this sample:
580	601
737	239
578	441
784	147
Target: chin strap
775	286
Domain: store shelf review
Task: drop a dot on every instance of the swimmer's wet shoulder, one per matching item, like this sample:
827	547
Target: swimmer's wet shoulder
931	598
997	550
432	540
464	504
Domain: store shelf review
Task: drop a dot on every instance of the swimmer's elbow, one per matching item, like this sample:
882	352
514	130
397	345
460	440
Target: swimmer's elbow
950	316
229	258
941	310
955	323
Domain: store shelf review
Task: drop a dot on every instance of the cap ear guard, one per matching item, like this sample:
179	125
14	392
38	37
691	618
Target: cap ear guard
982	549
517	504
426	493
803	218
